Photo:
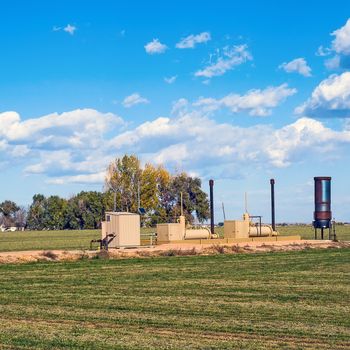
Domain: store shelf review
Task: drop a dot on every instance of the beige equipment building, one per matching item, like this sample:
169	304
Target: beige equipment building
125	227
246	228
171	232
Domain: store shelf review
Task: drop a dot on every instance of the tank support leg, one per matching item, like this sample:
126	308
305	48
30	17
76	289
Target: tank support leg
322	233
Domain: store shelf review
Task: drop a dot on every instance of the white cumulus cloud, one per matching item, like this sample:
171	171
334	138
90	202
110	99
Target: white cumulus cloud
331	98
298	65
341	42
155	47
97	178
77	146
189	140
340	48
66	144
225	61
256	102
133	100
197	143
75	127
192	40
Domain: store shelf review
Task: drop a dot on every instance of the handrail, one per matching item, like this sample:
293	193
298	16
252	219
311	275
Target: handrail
152	236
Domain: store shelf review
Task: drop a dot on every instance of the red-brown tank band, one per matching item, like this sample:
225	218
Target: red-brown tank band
323	215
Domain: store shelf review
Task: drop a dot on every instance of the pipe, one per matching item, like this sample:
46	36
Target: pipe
114	201
211	185
182	206
272	182
223	211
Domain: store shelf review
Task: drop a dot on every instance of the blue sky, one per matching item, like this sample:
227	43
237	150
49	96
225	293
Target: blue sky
238	92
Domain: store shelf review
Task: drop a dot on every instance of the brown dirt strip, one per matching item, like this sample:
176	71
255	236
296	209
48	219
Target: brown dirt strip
168	250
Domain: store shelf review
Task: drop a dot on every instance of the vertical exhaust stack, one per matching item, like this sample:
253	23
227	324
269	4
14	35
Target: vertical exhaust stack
322	213
272	182
211	186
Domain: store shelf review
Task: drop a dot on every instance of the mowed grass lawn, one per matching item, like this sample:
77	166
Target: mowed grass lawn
307	232
80	239
47	240
290	300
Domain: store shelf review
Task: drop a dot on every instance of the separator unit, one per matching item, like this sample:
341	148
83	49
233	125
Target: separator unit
246	228
171	232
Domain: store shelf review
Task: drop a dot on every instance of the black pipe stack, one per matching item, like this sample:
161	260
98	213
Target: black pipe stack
211	186
272	182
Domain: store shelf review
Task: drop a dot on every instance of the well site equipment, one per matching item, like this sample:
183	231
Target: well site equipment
122	229
246	228
233	229
178	231
323	213
171	232
124	226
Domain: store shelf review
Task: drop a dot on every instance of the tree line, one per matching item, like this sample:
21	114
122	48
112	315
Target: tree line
128	186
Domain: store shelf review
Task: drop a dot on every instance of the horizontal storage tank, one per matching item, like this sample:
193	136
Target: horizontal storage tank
201	233
322	213
266	230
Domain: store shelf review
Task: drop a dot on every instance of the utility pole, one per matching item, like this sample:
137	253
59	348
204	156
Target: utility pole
223	210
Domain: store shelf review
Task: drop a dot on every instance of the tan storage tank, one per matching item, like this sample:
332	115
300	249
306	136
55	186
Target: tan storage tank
200	233
126	227
178	232
266	230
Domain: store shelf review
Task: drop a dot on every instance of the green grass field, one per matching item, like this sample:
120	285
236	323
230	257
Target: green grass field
291	300
49	240
46	240
307	232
